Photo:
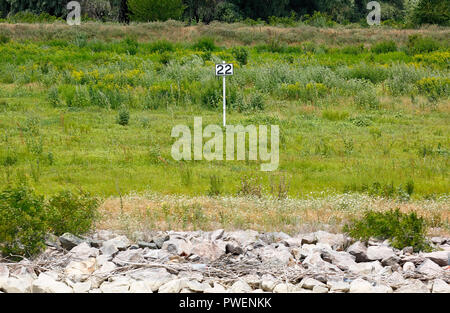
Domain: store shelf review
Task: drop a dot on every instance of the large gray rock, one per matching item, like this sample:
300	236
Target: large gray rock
240	286
69	241
336	241
129	256
379	252
359	251
279	256
429	268
208	250
173	286
441	258
413	286
338	286
178	245
80	271
120	243
360	285
395	280
310	283
84	251
440	286
20	284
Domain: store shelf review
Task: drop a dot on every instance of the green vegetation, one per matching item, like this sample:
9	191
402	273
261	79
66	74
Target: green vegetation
26	218
402	229
365	116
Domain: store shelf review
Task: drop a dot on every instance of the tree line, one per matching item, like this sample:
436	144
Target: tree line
193	11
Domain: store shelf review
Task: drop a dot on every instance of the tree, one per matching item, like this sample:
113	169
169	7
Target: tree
262	8
52	7
432	12
124	12
155	10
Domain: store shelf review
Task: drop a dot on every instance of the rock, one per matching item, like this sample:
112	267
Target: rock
440	286
343	260
104	235
109	248
429	268
413	286
208	250
268	282
120	242
47	284
4	273
438	240
310	283
159	241
196	286
392	261
218	288
149	245
441	258
409	267
156	254
315	261
117	285
173	286
80	271
382	288
84	251
308	239
129	256
359	251
83	287
408	250
360	285
52	241
21	284
279	256
320	289
178	246
153	278
233	249
217	234
139	287
338	286
69	241
240	286
379	252
336	241
285	288
243	237
105	268
395	280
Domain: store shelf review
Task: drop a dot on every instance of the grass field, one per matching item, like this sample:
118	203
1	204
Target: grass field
356	113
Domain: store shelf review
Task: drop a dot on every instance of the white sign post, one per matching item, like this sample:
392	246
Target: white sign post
224	70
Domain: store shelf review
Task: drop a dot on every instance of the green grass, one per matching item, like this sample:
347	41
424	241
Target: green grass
348	121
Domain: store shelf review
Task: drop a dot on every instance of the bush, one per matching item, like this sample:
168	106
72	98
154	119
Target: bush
131	45
4	39
215	185
240	54
205	44
22	222
418	44
403	230
384	47
70	212
434	87
161	46
124	116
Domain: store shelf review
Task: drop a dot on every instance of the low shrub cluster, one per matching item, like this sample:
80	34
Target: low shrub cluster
402	229
26	218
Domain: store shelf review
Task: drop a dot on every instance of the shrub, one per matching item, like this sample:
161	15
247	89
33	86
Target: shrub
205	44
417	44
124	116
161	46
353	49
70	212
4	39
401	229
240	54
250	186
434	87
384	47
131	45
22	222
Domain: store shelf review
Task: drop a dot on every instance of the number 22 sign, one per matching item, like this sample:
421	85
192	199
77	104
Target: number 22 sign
224	69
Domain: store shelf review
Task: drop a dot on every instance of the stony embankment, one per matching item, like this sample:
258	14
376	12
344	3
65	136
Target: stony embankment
217	262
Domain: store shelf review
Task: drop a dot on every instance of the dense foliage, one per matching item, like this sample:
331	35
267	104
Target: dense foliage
397	12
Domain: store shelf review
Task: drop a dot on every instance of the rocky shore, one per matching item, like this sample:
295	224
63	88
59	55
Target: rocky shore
227	262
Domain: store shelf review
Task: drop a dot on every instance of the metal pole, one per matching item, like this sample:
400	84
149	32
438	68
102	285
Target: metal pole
224	102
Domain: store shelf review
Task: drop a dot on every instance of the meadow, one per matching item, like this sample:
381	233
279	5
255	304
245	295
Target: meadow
92	107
